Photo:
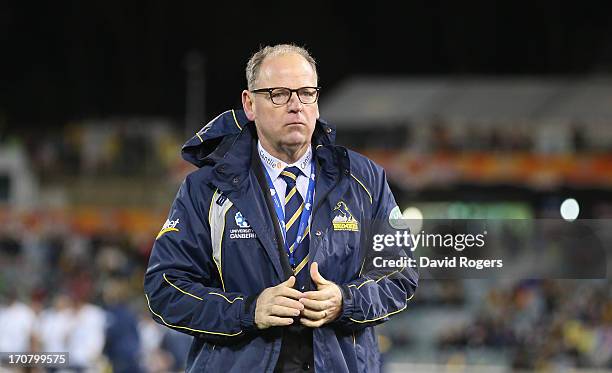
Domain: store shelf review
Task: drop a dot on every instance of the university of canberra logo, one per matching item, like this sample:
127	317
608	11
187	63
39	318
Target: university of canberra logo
244	229
241	221
343	219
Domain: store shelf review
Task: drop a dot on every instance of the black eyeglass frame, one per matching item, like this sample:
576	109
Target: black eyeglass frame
271	89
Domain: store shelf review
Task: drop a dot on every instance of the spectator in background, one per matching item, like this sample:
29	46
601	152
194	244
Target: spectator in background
17	321
54	325
155	359
177	344
122	337
85	340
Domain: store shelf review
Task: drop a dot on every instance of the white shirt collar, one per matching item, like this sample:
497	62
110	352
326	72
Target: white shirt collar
274	166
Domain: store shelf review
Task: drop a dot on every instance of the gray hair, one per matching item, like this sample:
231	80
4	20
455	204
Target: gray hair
254	64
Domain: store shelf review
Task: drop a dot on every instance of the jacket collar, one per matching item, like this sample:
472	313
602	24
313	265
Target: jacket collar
225	144
214	139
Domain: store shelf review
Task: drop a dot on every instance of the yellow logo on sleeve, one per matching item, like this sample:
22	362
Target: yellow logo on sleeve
169	226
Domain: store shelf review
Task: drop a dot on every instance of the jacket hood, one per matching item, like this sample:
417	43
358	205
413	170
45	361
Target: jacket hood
225	127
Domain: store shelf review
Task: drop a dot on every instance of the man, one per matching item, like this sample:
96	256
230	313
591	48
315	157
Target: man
265	257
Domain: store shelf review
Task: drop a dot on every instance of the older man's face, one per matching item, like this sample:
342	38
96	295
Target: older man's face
289	126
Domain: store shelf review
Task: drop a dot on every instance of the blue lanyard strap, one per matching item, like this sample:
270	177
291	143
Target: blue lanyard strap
305	216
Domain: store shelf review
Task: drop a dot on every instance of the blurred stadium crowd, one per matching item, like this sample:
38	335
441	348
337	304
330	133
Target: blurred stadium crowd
115	147
62	291
546	325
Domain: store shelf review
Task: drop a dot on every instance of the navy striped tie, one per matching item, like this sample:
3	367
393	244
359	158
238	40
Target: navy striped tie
294	205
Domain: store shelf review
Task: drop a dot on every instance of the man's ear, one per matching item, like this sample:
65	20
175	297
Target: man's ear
248	105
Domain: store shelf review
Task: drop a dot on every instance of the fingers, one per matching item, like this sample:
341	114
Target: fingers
313	315
315	305
273	310
284	291
317	295
316	319
311	323
278	321
321	306
314	269
277	310
289	282
288	302
316	276
276	306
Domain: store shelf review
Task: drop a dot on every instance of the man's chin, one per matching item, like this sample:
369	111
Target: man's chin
294	145
295	140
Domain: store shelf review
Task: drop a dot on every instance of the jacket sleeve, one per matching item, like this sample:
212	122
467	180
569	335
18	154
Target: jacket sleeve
183	285
378	292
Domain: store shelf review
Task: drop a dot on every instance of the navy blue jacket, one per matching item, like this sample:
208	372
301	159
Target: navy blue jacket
219	249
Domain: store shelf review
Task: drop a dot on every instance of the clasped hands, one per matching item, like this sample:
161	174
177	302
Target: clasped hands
280	304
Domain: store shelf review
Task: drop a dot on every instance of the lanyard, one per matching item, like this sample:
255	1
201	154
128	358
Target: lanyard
303	219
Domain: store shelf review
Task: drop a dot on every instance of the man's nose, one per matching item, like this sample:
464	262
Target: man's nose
294	104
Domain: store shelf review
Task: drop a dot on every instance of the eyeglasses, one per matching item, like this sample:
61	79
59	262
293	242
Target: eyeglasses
282	95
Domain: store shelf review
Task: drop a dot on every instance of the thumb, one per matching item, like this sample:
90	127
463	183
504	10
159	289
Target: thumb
316	276
289	282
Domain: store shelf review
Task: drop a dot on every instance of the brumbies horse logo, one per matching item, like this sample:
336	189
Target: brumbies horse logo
343	219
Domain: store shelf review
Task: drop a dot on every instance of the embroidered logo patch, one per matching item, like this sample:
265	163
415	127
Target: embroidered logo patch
343	219
241	221
244	228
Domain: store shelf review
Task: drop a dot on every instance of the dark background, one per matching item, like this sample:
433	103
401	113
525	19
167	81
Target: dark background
66	60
